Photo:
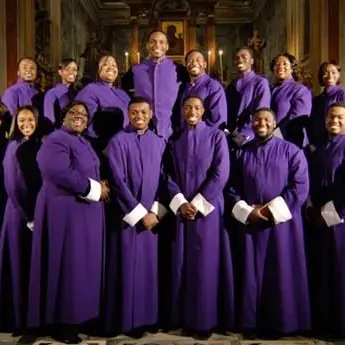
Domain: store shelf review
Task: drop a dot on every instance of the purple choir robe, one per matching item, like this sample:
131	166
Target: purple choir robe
273	293
55	100
100	96
213	95
202	281
245	95
292	103
160	84
135	165
15	237
326	244
20	94
68	237
317	128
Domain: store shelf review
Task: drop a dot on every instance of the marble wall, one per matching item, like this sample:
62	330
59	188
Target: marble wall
272	26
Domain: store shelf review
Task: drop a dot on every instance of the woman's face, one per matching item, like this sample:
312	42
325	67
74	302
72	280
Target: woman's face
26	123
76	119
69	73
108	70
331	75
282	68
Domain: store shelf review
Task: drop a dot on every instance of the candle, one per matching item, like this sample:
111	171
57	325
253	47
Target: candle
138	56
126	62
221	64
209	62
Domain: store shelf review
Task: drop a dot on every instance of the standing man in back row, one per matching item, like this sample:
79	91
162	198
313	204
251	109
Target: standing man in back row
157	79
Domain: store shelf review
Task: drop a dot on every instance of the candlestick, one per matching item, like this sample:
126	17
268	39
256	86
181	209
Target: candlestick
126	61
221	64
209	62
138	56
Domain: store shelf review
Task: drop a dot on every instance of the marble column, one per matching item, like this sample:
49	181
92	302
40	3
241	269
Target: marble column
211	43
294	28
192	33
55	38
134	50
333	29
341	19
26	28
11	40
3	50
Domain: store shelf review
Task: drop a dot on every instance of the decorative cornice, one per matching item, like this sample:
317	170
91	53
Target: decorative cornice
91	8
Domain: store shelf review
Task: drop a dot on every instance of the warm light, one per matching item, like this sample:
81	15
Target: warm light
209	52
220	52
126	53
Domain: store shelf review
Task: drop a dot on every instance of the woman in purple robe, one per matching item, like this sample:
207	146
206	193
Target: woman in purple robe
68	239
329	79
326	213
197	167
246	94
56	99
22	183
135	156
103	95
208	89
23	92
291	100
268	185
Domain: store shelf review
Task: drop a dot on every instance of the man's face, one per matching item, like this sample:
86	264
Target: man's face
157	45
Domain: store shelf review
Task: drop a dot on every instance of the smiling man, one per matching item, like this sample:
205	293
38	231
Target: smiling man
246	94
208	89
135	156
158	79
23	92
269	185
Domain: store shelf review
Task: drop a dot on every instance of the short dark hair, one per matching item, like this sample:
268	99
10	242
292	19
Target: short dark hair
72	104
196	97
249	50
193	51
269	110
137	99
154	31
25	58
336	104
65	62
322	68
15	133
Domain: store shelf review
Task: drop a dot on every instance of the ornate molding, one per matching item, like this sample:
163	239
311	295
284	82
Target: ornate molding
92	9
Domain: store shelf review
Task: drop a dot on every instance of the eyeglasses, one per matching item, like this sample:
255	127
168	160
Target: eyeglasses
75	113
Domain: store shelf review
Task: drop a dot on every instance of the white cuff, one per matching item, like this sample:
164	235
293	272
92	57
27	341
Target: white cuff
330	214
95	191
280	211
202	205
158	209
241	211
177	201
30	225
133	217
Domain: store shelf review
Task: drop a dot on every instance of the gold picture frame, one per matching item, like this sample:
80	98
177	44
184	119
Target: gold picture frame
177	38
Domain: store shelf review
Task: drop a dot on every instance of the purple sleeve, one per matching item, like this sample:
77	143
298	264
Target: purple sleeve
10	99
48	107
217	107
89	97
117	162
60	169
301	103
170	171
218	174
262	95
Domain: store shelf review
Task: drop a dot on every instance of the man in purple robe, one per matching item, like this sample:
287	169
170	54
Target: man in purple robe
208	89
197	167
23	92
158	79
135	156
246	94
268	185
326	213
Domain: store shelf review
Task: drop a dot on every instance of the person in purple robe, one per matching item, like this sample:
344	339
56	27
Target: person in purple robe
197	168
208	89
329	79
268	186
102	95
291	100
325	213
245	95
56	99
66	276
159	80
22	183
23	92
135	159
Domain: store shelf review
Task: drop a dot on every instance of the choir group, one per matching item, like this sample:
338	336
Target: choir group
171	202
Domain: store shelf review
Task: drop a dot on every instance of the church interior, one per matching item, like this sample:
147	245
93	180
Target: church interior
50	30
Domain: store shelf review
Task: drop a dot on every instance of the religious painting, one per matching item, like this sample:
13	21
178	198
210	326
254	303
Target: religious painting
175	31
